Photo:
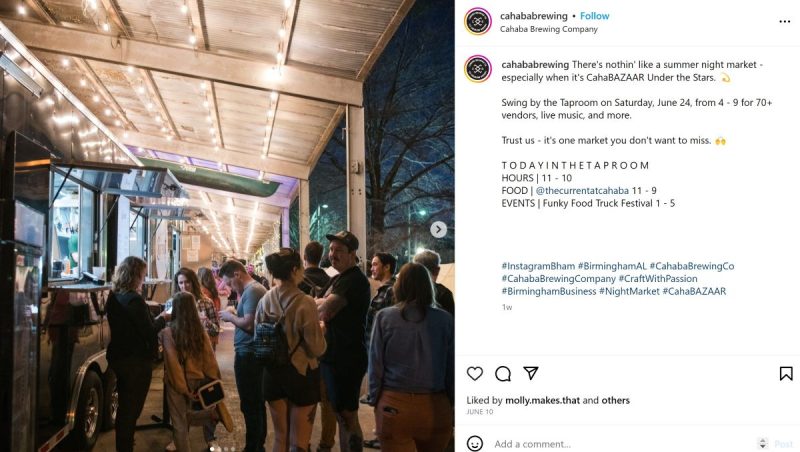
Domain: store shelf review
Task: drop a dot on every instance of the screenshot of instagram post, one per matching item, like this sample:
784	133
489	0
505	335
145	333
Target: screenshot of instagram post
626	195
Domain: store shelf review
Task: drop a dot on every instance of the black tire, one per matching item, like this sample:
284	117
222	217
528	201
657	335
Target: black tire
89	413
110	399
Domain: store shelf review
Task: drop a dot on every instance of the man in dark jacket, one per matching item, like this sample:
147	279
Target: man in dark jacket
444	297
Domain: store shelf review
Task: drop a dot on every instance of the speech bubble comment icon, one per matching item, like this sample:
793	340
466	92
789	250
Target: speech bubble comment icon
502	373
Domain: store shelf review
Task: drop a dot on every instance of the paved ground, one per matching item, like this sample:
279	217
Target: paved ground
156	439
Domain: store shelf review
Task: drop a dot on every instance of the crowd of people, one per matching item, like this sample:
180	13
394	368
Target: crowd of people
339	335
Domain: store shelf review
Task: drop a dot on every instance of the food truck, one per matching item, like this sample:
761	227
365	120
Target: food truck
71	198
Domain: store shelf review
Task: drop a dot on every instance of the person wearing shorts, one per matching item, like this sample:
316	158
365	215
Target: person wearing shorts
344	310
292	391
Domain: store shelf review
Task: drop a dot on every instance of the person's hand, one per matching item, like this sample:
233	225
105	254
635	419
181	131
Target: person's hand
224	315
227	315
166	315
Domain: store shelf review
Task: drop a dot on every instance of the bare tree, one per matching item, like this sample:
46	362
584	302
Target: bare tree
409	114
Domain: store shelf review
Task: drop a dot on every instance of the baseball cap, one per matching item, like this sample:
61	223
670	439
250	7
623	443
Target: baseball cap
345	237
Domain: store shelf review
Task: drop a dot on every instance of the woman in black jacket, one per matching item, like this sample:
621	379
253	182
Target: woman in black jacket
133	346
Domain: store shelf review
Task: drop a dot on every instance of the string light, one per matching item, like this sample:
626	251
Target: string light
184	9
21	9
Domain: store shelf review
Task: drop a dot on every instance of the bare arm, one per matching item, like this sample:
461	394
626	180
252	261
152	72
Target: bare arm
329	306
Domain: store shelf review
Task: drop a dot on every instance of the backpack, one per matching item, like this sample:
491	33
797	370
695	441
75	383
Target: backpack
270	343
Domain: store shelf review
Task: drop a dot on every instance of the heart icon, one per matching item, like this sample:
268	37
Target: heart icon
475	372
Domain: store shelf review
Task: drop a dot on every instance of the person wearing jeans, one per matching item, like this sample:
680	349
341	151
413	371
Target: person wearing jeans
247	369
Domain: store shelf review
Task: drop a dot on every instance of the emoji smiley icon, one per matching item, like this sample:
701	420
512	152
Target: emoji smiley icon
474	443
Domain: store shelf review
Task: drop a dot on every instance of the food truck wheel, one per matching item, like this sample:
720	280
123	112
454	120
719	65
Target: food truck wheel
110	400
89	413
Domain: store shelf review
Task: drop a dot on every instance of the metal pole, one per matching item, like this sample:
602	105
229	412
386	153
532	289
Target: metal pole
408	235
316	221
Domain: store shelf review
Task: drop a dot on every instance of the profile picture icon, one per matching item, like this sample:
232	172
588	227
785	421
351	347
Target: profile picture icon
478	21
478	68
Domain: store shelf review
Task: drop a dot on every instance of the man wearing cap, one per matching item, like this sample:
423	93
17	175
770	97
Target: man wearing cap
344	309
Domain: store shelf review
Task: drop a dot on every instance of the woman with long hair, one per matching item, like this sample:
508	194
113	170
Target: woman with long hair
411	367
189	362
208	286
186	281
292	391
133	346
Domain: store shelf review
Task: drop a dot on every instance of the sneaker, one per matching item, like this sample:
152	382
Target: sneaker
171	447
372	443
213	446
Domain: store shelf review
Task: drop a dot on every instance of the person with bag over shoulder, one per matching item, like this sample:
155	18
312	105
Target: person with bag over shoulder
189	363
293	389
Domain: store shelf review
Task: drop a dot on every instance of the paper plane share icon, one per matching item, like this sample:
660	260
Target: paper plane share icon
531	371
